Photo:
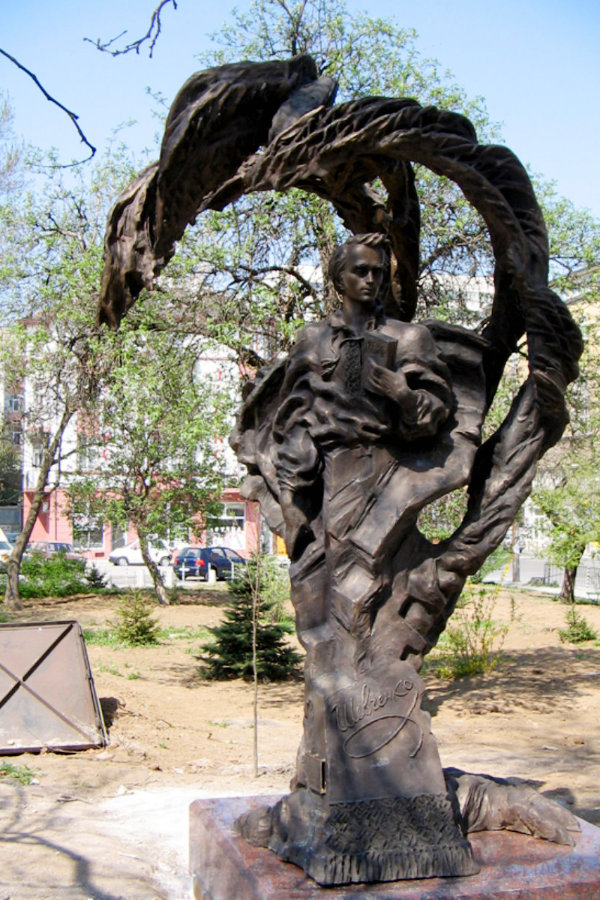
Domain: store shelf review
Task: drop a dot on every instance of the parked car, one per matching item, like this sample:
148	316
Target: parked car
51	548
207	563
5	549
131	554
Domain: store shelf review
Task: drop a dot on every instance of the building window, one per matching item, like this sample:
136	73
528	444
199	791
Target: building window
88	532
13	403
228	526
88	453
16	437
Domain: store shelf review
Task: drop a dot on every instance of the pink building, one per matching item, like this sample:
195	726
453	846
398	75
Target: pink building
238	528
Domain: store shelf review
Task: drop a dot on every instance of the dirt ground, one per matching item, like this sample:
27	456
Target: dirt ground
113	823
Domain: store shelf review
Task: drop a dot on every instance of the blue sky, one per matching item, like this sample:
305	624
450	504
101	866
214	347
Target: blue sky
536	63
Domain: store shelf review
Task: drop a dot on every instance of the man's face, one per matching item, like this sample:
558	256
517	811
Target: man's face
363	273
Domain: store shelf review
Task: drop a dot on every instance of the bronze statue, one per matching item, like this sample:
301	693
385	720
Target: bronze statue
368	420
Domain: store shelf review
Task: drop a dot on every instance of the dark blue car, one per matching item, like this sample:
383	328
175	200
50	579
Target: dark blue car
207	563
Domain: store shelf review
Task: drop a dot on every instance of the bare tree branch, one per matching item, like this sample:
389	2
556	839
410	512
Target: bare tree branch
151	35
73	117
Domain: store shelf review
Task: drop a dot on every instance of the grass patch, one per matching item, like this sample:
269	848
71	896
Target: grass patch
22	774
110	670
186	633
101	637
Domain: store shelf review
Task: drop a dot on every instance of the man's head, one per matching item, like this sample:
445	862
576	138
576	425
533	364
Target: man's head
339	261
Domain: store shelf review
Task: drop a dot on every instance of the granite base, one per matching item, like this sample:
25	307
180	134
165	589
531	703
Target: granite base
513	866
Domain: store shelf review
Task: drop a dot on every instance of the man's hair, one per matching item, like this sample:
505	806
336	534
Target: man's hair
337	263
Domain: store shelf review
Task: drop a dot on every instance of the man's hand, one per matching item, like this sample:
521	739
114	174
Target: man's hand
386	382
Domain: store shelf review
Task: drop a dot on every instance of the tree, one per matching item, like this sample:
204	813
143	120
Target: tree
49	279
82	382
248	639
153	436
10	468
272	248
259	261
567	490
569	496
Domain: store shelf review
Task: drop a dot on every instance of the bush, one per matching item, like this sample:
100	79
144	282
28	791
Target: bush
577	631
135	625
96	581
472	644
52	576
229	655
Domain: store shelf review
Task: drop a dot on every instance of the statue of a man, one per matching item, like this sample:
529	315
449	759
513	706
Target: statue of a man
367	421
358	385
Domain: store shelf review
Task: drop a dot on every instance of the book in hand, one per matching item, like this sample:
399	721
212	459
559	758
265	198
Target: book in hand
380	349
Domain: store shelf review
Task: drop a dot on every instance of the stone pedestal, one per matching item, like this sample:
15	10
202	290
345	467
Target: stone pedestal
512	866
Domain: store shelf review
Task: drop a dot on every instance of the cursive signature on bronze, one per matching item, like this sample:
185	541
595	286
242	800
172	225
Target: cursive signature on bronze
354	709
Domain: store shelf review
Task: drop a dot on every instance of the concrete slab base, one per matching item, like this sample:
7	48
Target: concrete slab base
513	866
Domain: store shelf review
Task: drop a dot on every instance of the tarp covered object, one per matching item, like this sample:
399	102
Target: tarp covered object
47	694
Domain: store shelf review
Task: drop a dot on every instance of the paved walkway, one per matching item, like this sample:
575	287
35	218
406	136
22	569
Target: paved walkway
539	574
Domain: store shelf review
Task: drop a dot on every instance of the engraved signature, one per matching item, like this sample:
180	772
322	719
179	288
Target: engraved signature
354	709
377	722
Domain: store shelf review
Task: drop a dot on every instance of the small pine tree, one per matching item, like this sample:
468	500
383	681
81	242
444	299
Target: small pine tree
229	655
135	625
578	630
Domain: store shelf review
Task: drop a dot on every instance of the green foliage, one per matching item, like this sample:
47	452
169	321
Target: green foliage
55	576
440	519
229	655
578	630
157	427
567	488
472	644
100	637
135	626
95	579
23	774
500	558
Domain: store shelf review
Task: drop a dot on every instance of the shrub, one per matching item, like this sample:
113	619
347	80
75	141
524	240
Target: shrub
52	576
96	581
57	576
229	655
135	625
577	630
472	644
